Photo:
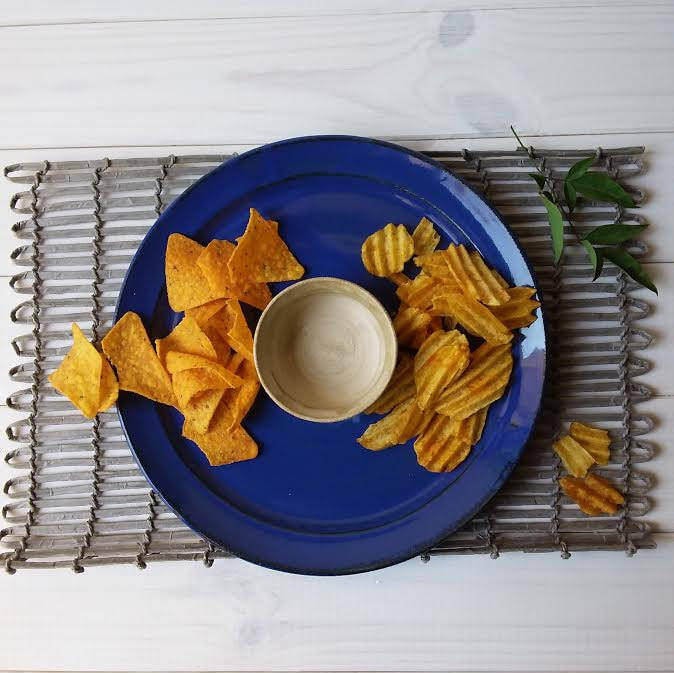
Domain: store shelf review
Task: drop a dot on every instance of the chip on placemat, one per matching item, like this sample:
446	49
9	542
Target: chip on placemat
262	256
425	237
399	389
593	494
222	443
386	251
186	286
473	316
576	459
109	386
594	440
78	377
186	337
139	370
396	427
439	448
442	358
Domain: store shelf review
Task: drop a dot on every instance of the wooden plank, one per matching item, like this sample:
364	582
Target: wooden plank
403	75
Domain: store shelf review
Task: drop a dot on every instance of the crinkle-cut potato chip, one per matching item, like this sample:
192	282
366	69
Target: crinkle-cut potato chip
78	377
425	237
214	262
109	386
593	494
470	429
199	411
482	383
186	286
411	326
139	370
576	459
498	278
386	251
262	256
202	314
438	448
179	362
473	316
434	264
594	440
396	427
518	310
241	399
399	389
223	443
238	336
441	358
420	292
399	279
435	325
186	337
190	382
474	277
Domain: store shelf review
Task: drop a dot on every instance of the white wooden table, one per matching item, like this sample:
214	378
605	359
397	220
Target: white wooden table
125	78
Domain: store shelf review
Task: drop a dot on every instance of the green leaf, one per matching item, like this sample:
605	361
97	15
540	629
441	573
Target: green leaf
556	228
612	234
570	194
622	259
540	180
599	187
596	258
579	168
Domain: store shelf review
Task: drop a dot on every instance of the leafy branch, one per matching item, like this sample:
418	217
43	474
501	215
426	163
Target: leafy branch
603	242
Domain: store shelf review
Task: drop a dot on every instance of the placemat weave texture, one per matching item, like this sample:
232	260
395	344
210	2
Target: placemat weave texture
78	498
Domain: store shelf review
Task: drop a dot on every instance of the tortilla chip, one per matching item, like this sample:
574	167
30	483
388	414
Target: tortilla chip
214	262
188	383
79	375
222	350
202	314
179	362
186	337
242	398
139	370
186	286
109	386
262	256
222	444
238	336
200	409
425	237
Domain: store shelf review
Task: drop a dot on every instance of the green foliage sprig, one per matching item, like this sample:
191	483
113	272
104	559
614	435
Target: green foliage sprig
603	242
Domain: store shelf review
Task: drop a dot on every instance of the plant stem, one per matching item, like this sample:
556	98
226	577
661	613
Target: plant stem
522	145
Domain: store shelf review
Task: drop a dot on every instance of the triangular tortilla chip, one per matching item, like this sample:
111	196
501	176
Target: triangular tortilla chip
222	349
262	256
186	286
213	264
109	386
241	399
202	314
179	362
199	410
238	336
190	382
186	337
139	370
79	375
222	444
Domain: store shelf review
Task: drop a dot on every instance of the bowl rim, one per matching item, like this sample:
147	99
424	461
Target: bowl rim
390	342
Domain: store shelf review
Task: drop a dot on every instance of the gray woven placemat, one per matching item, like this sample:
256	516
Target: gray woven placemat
78	498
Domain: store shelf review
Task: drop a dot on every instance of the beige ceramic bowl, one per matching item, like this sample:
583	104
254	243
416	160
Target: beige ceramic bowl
325	349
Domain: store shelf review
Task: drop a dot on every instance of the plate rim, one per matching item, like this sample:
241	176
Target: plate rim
406	553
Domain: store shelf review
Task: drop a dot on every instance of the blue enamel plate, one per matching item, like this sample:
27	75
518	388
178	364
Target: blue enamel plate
314	501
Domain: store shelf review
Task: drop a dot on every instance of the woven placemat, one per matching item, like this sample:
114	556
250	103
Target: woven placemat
78	498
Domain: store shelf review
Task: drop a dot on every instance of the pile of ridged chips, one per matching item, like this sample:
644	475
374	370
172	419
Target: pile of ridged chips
441	389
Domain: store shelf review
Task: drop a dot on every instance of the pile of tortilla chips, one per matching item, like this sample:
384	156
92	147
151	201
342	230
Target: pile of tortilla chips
204	366
441	390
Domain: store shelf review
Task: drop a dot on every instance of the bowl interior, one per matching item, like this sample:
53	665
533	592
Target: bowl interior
325	349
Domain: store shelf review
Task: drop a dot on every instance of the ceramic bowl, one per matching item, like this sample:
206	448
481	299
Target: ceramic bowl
324	349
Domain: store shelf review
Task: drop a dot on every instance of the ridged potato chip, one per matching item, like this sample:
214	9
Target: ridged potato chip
78	377
262	256
399	279
593	494
438	448
386	251
474	277
419	292
399	389
442	358
482	383
186	286
434	264
594	440
576	459
139	370
411	326
222	443
473	316
425	237
470	429
517	311
395	428
186	337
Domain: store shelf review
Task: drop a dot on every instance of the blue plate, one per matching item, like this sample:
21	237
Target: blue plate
314	501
